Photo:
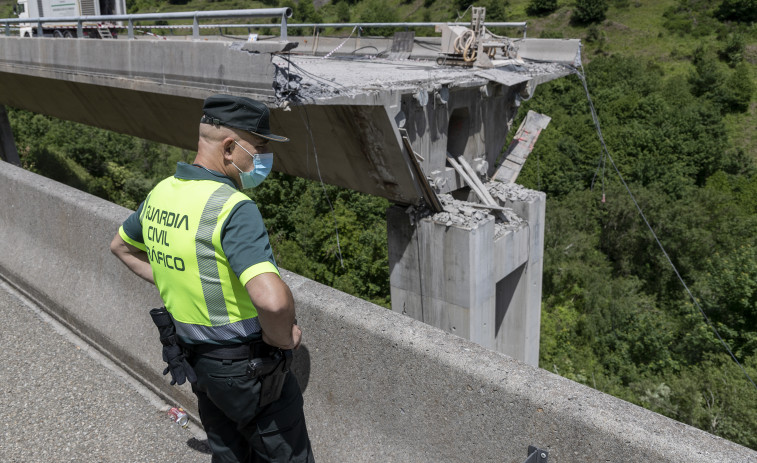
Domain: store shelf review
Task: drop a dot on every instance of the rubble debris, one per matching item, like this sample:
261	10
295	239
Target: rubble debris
460	213
286	84
469	215
507	193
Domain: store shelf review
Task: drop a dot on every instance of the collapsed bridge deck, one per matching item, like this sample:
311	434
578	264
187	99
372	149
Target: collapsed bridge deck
350	110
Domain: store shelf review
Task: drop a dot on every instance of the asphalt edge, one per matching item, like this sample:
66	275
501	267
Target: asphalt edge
94	352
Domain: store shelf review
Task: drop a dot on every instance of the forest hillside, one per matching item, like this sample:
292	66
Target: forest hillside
673	83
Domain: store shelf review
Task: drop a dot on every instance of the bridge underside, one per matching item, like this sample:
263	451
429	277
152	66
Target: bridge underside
173	119
160	117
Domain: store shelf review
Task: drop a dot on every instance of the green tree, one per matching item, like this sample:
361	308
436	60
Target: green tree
733	52
496	10
728	292
730	90
541	7
307	13
656	130
736	94
589	11
304	230
462	5
116	167
737	10
707	75
691	17
714	395
596	36
375	11
342	12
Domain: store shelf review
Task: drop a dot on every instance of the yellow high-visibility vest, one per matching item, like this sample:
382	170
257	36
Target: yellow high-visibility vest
182	221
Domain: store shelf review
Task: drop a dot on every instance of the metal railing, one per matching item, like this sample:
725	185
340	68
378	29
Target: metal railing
195	16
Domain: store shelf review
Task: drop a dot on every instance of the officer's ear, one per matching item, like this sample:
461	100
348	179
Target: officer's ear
227	145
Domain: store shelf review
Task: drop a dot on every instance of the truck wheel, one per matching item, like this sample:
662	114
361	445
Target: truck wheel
26	34
58	34
69	35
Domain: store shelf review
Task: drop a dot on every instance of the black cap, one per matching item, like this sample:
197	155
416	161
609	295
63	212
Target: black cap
240	113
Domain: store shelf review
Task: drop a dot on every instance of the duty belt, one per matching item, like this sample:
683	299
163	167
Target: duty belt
221	351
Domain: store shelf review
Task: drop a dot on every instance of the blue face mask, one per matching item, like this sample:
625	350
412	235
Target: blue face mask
262	163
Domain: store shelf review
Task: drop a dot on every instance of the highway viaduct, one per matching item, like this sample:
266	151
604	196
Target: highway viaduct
390	387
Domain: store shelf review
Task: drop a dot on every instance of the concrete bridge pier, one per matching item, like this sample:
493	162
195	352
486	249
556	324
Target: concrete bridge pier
480	280
462	270
8	150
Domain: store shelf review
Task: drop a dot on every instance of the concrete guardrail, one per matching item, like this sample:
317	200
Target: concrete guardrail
379	386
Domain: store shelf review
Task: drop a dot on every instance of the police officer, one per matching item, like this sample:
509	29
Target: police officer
203	244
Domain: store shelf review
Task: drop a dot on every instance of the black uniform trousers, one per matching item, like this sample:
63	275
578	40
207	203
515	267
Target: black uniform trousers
238	430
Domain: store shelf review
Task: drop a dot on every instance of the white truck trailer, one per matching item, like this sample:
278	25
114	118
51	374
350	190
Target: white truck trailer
67	9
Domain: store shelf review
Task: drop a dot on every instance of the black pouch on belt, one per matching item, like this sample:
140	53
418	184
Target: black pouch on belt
271	366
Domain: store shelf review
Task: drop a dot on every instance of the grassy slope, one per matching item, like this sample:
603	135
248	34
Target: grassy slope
6	8
636	30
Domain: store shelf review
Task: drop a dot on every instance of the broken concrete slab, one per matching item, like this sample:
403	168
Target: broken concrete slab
521	146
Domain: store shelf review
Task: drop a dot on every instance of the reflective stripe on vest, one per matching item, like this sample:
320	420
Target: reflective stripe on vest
238	330
182	221
206	258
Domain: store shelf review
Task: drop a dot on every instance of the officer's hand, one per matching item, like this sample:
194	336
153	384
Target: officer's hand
296	336
296	339
178	366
